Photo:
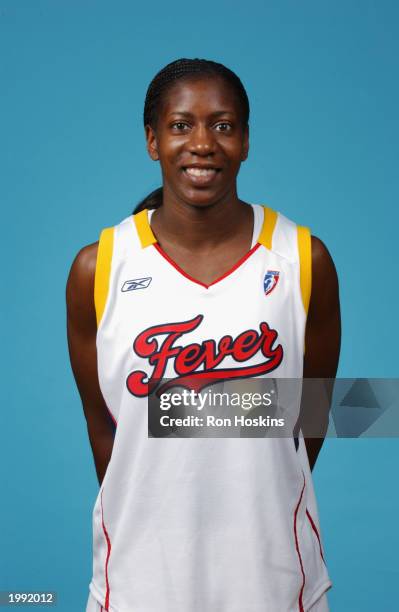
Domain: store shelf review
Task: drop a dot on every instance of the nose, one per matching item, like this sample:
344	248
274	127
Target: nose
201	141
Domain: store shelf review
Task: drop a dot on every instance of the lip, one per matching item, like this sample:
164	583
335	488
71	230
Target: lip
203	166
201	180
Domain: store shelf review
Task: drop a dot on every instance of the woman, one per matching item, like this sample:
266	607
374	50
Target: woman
199	285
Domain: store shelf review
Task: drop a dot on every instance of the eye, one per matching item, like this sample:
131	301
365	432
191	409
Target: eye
226	127
179	125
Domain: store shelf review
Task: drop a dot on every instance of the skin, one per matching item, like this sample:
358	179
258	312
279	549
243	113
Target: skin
205	230
201	123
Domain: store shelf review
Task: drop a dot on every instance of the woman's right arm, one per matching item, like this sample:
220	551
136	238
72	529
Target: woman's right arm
82	330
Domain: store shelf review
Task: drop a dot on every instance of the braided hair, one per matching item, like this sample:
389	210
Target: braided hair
185	69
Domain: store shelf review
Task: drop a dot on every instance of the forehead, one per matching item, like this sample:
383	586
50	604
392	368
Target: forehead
205	95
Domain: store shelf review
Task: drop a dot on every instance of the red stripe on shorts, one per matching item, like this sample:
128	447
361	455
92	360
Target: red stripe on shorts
106	604
316	532
300	602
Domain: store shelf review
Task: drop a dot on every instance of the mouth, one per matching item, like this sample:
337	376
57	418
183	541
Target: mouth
201	176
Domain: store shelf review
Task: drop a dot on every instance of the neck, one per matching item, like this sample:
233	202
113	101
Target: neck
199	227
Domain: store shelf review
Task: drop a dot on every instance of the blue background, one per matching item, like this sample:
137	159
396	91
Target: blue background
322	81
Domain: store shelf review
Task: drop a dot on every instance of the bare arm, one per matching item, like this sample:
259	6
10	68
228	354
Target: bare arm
322	341
82	330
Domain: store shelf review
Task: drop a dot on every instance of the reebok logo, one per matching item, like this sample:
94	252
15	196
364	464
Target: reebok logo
136	283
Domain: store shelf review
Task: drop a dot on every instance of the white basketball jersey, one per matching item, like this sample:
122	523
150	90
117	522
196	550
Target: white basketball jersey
204	524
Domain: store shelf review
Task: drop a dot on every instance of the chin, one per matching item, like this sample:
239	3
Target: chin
200	202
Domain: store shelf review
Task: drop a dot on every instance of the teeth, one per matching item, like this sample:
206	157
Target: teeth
200	171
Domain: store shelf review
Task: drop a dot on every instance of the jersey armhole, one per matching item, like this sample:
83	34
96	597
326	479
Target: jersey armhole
305	266
103	271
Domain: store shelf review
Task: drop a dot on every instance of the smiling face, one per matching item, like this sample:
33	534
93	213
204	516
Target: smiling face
199	140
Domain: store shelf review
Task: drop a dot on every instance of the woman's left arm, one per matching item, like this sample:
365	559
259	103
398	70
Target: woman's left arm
322	342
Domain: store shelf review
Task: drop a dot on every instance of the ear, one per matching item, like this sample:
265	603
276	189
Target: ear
152	146
245	144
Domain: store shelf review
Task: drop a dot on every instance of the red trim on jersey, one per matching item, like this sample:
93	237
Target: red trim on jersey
316	532
106	604
194	280
300	602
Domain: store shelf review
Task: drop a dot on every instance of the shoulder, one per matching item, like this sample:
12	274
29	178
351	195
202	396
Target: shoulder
320	253
80	284
322	262
83	267
325	288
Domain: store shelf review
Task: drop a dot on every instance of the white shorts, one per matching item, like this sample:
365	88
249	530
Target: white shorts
321	605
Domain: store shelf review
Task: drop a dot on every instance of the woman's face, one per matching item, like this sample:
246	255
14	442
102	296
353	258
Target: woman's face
199	140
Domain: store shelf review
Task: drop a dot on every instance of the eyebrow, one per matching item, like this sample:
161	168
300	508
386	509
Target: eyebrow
189	115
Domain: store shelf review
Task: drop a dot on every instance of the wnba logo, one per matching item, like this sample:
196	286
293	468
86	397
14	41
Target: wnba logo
270	281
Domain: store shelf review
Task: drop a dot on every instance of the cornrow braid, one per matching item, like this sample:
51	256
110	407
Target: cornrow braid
185	69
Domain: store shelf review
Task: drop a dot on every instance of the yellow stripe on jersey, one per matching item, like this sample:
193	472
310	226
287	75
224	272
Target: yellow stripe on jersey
305	260
269	223
103	271
143	227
